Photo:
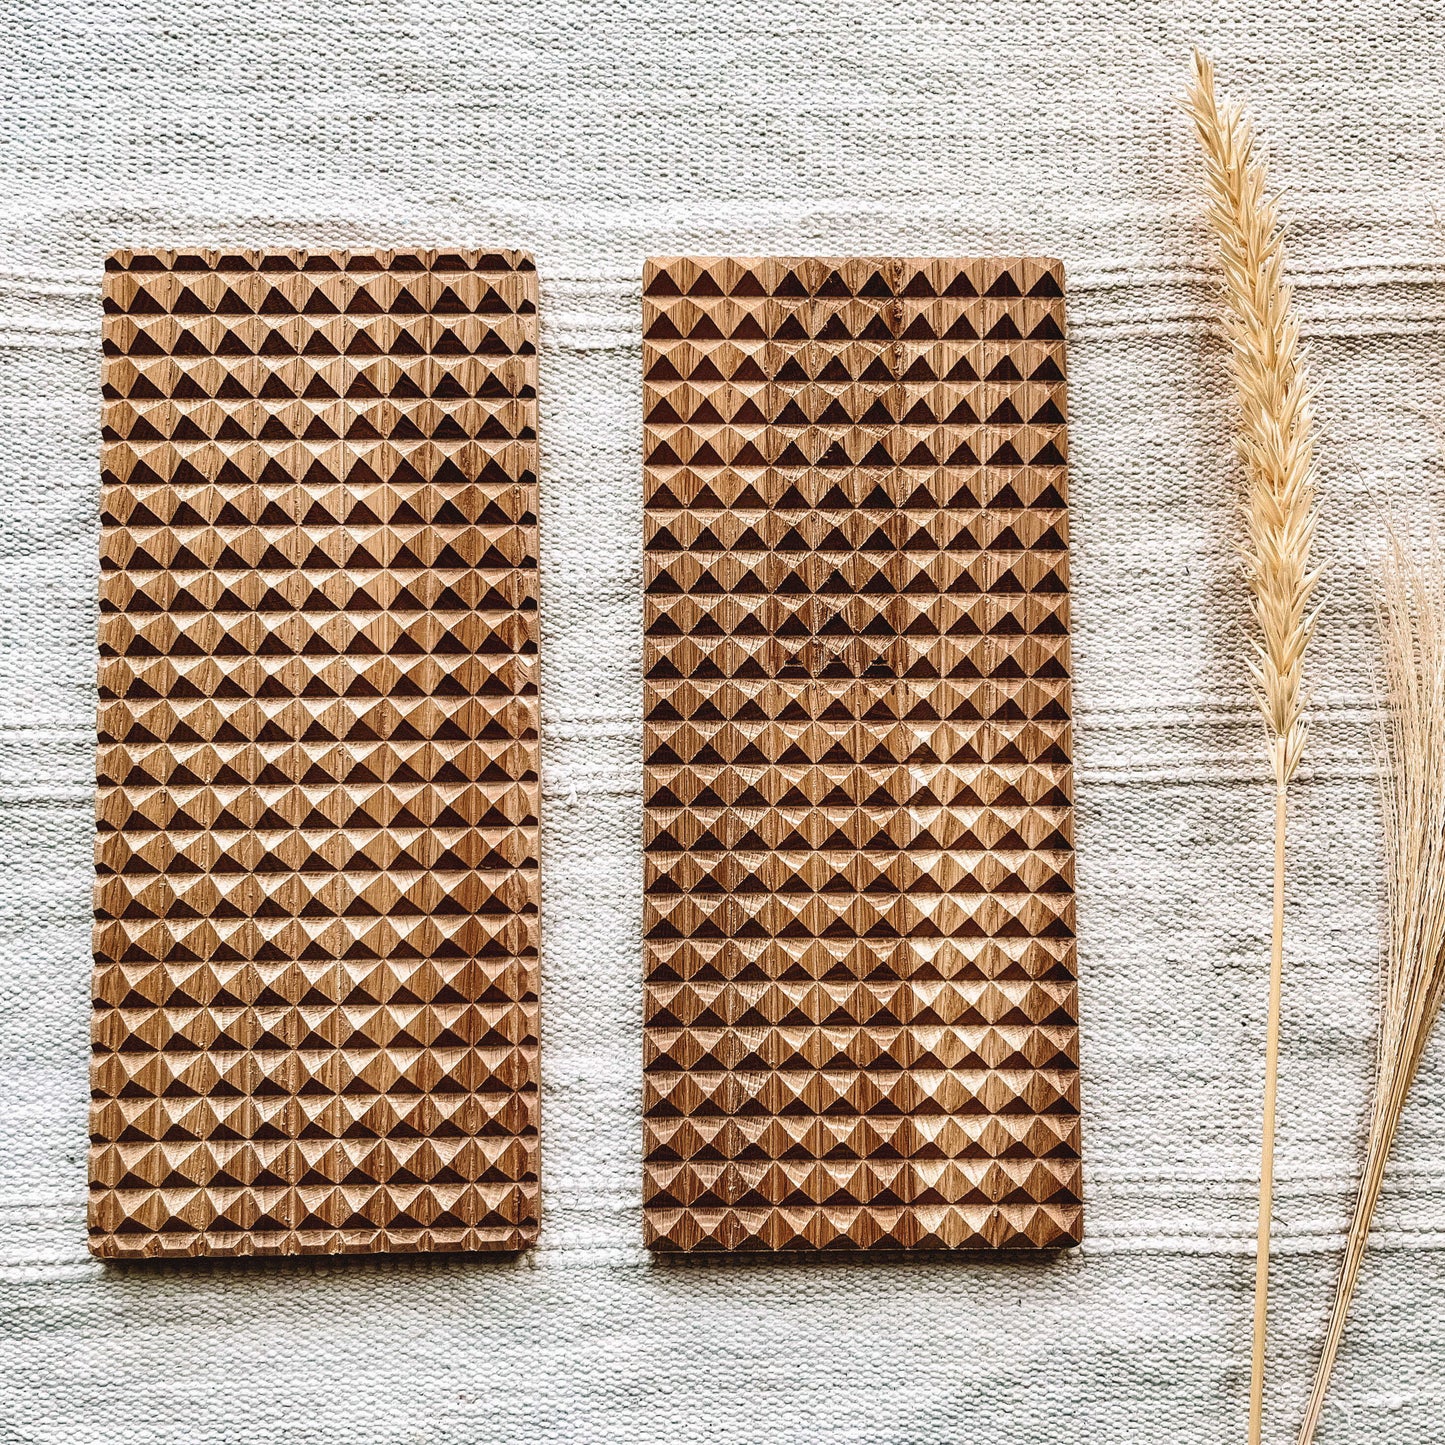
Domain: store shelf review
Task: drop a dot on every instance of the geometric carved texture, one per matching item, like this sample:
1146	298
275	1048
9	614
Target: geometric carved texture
861	1020
315	1003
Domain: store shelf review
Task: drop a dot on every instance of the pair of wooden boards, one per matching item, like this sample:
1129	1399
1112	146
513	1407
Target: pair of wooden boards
316	1000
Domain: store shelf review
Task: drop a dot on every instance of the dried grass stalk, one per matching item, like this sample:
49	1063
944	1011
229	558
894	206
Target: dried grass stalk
1412	624
1276	445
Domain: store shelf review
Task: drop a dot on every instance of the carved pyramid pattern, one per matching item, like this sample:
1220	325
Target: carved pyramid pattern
315	1023
860	996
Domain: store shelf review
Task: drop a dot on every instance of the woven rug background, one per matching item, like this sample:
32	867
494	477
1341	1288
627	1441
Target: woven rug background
596	134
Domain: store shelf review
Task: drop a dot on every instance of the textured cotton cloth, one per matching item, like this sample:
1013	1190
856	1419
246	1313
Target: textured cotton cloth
595	135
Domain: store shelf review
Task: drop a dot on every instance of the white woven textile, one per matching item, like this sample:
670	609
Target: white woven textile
595	134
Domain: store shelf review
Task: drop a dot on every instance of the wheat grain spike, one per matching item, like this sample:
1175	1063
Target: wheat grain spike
1276	445
1276	413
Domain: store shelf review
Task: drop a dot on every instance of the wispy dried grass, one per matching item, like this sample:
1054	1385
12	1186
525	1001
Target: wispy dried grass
1276	446
1412	624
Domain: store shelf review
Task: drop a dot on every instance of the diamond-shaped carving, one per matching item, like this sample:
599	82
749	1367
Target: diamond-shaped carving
860	997
315	1024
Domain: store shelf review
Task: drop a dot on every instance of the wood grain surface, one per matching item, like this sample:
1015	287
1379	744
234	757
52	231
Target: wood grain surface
316	935
860	986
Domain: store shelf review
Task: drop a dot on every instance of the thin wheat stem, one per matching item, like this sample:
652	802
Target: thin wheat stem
1271	1089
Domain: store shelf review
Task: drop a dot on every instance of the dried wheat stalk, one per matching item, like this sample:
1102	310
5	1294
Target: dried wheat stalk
1412	624
1276	445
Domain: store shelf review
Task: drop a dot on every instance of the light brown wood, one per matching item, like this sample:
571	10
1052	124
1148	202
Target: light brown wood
860	964
315	1024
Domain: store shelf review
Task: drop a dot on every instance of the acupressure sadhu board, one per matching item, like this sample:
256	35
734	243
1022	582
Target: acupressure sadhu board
860	999
316	938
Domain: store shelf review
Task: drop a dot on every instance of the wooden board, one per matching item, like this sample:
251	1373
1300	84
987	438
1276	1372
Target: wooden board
315	1024
860	1000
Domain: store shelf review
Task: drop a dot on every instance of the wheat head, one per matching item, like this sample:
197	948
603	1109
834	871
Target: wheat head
1276	428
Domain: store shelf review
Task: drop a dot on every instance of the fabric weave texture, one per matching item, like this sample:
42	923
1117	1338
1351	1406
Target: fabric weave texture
595	135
